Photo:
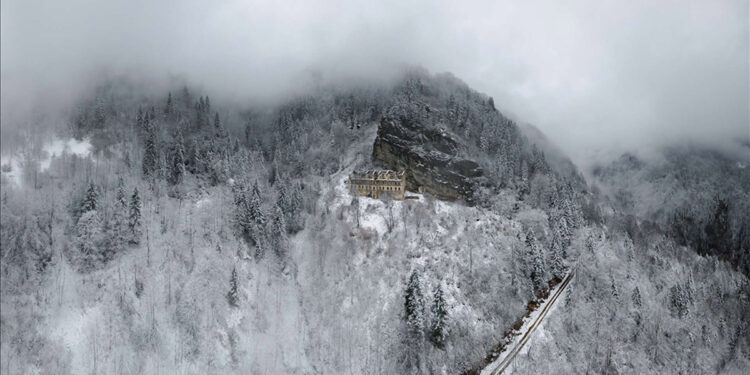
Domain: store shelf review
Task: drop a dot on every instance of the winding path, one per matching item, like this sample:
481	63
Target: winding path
499	365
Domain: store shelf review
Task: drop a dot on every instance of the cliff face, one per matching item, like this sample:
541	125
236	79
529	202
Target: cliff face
411	139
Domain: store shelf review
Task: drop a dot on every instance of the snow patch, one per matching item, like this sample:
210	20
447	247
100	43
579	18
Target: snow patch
12	166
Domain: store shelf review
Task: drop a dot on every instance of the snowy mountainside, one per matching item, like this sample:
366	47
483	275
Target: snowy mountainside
199	237
698	196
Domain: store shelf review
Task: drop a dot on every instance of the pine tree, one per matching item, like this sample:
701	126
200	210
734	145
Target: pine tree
452	109
679	300
139	119
613	287
556	258
241	216
200	114
195	160
414	305
524	184
414	319
278	233
177	165
90	201
249	217
636	298
150	154
28	247
168	107
88	236
290	201
117	228
217	124
255	212
233	296
717	230
537	263
438	329
261	244
134	219
121	200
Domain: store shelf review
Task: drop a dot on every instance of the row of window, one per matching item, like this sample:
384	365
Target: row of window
380	183
372	187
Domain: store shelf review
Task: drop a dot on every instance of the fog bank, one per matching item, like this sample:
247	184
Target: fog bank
594	76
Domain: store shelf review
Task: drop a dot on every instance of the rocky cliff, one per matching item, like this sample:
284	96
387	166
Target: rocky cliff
411	138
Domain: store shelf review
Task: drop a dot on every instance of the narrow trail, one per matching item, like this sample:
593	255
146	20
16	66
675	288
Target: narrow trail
498	367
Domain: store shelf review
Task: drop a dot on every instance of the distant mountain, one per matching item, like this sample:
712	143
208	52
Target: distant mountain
699	196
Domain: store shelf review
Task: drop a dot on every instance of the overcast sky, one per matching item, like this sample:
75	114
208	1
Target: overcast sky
593	75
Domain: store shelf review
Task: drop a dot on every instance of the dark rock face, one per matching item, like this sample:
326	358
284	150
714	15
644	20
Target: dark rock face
409	139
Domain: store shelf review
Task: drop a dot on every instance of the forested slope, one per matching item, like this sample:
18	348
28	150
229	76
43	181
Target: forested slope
202	238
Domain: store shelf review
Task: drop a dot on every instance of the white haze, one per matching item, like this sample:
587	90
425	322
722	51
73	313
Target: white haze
593	75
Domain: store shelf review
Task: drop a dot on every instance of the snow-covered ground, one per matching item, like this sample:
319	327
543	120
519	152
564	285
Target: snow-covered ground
534	323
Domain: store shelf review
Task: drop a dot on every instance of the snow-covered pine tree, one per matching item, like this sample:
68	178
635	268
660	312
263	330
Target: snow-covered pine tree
485	139
233	296
88	236
282	200
194	162
120	195
556	265
241	219
134	219
524	184
218	127
168	108
199	113
718	234
452	109
150	154
278	234
414	304
537	269
571	210
613	287
261	244
636	298
249	218
117	227
177	165
27	247
139	119
255	210
91	199
414	319
438	327
290	201
678	300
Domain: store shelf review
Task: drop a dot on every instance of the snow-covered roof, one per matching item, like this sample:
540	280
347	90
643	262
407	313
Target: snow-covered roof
379	175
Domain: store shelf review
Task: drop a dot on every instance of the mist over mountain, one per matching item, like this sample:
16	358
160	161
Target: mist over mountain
598	79
206	188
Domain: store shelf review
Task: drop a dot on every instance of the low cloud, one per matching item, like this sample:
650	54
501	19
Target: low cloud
595	76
